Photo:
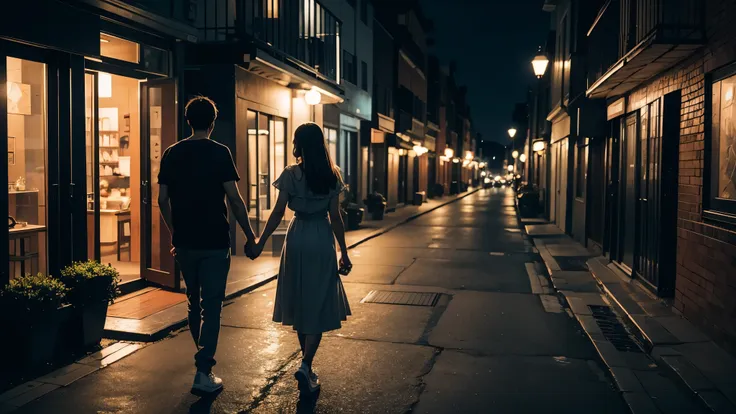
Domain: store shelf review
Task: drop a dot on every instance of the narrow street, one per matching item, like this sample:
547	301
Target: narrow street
490	344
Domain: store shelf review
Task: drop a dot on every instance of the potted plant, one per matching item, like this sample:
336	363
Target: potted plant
92	288
32	312
376	204
439	190
352	214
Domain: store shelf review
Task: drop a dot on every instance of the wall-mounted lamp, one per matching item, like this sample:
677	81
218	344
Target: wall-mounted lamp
468	155
420	150
456	160
510	168
449	153
540	63
538	146
522	157
312	97
104	85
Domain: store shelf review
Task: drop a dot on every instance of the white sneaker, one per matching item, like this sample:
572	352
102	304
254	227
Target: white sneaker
308	380
206	383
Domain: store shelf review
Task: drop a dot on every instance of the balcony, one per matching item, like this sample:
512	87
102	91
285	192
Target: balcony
632	41
300	33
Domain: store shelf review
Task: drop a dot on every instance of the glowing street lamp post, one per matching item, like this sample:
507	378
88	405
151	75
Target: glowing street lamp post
539	64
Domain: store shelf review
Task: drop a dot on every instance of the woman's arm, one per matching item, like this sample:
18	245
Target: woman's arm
277	214
338	227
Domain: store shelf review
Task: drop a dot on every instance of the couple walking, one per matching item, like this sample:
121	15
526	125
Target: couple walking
196	176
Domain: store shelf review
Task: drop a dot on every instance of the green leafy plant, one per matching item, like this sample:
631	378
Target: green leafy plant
32	294
79	276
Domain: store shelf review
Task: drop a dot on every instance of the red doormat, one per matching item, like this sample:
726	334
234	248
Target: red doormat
139	305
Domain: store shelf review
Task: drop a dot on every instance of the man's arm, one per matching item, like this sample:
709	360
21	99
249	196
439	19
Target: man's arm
165	206
237	205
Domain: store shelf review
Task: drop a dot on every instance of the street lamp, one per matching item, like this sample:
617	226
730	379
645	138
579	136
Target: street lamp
539	63
512	132
515	154
522	157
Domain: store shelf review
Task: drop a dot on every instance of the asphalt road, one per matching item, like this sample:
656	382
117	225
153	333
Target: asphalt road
489	345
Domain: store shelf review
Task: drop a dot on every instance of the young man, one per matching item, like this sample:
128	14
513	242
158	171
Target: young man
195	177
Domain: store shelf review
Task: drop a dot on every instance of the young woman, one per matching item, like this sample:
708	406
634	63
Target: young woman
309	295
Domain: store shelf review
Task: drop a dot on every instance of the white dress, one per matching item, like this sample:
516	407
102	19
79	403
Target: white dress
310	295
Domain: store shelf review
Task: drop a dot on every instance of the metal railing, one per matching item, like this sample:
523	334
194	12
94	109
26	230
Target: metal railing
300	29
622	25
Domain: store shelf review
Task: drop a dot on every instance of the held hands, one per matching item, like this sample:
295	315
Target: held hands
254	249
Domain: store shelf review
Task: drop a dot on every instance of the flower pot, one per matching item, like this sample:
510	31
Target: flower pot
354	217
378	212
35	336
90	299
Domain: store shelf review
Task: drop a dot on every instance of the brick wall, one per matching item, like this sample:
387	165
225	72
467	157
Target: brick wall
706	252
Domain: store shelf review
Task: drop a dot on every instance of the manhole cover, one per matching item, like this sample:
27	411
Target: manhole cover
613	329
389	297
572	263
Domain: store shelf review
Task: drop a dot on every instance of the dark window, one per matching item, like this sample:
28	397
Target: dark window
581	170
352	3
722	157
364	11
364	76
350	68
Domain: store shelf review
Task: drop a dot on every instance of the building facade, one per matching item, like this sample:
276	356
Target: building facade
86	106
666	72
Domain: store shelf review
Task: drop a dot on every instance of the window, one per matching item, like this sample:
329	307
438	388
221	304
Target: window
26	111
331	136
117	48
723	146
350	68
364	76
581	169
364	11
352	3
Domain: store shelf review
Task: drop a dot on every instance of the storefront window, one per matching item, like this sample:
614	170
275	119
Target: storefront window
724	139
117	48
26	102
331	137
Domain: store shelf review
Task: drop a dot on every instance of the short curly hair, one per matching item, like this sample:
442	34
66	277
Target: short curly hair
200	112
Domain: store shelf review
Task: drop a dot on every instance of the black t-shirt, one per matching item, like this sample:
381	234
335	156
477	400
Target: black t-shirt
194	171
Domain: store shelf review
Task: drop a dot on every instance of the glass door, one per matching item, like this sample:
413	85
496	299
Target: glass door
159	130
266	160
628	212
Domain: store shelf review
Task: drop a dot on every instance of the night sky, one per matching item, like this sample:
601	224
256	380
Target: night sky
493	42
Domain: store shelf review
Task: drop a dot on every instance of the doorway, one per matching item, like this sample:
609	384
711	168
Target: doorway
129	121
266	155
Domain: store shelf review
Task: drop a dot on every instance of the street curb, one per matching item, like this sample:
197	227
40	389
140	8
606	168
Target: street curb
165	331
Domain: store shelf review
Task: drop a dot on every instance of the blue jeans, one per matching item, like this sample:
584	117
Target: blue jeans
205	274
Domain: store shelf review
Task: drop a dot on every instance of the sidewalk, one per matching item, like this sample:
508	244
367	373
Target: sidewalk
652	353
247	275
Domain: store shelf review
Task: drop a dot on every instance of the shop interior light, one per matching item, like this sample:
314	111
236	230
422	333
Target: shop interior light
515	154
104	85
538	146
312	97
522	157
456	160
466	163
14	92
468	155
449	153
402	152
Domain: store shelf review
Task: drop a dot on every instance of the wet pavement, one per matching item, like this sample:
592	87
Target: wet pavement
488	345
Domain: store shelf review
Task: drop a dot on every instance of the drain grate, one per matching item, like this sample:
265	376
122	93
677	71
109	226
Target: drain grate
390	297
613	329
572	263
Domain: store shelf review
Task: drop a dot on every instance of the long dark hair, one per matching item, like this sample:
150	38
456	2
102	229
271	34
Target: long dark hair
313	157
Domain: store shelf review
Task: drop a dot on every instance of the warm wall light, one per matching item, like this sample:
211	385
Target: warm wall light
14	92
538	146
540	63
510	168
456	160
402	152
515	154
420	150
522	157
449	153
512	132
104	85
312	97
468	155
